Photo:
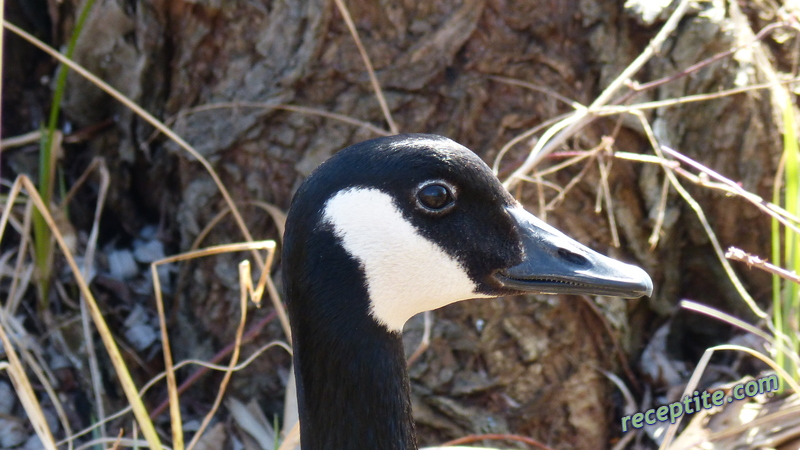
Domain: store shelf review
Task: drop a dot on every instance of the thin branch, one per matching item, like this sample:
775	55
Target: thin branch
738	254
728	185
279	106
370	71
560	132
618	109
635	89
544	90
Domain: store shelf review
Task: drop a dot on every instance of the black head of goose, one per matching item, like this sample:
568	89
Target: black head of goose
392	227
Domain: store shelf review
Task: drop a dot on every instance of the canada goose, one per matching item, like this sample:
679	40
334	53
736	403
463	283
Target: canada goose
392	227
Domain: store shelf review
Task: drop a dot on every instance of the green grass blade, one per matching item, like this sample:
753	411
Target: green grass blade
43	246
791	239
786	304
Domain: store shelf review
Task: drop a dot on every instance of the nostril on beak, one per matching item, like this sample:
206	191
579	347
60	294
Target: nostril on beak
572	258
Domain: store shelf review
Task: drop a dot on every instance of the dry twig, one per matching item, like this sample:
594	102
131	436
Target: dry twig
738	254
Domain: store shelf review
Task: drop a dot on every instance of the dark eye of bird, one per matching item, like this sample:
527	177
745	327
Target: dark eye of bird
435	197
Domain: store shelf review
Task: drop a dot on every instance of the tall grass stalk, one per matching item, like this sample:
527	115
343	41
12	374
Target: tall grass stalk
49	145
786	250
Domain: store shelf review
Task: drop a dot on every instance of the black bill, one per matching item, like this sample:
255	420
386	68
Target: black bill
556	264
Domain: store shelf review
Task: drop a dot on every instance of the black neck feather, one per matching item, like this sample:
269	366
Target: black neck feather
352	383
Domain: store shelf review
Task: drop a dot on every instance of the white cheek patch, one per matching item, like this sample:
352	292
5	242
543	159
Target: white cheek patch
406	273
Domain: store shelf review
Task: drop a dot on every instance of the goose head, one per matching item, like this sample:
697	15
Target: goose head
429	224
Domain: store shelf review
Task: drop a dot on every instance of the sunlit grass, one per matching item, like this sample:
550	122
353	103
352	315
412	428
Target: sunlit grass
786	246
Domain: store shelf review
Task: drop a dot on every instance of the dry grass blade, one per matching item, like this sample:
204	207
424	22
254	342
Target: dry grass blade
280	222
250	419
33	137
425	342
541	183
753	39
781	344
149	118
18	280
738	254
649	159
605	168
620	109
28	138
719	315
540	198
557	134
93	166
126	381
280	106
544	90
264	281
630	408
728	185
178	366
775	433
547	143
88	339
670	173
571	123
724	184
521	137
220	368
132	443
572	183
23	388
370	71
563	165
700	369
292	439
278	216
246	287
660	216
190	380
35	361
120	367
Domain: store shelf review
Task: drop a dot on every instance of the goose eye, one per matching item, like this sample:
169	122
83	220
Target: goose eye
435	197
